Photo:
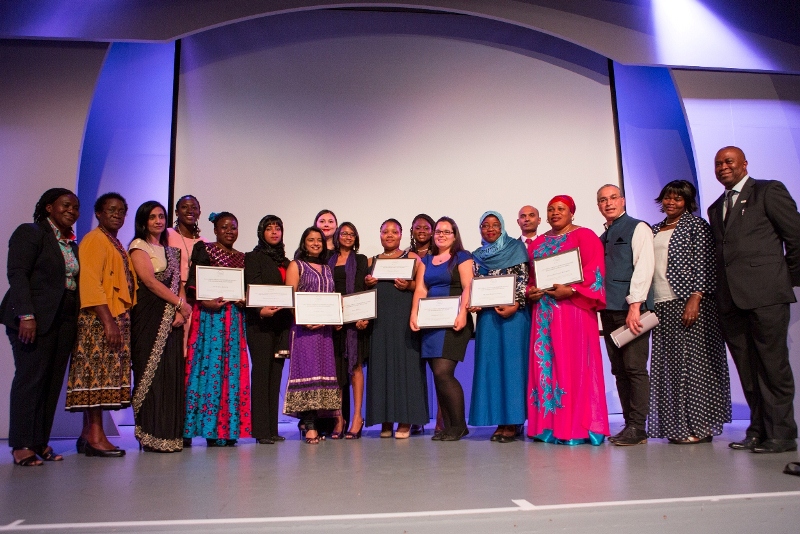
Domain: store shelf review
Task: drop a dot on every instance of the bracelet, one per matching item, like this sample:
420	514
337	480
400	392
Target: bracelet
698	293
28	317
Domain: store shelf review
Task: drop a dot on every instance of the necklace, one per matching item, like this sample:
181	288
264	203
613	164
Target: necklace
670	223
567	229
392	253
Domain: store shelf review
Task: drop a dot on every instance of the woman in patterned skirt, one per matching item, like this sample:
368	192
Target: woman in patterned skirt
690	396
313	389
100	368
217	367
157	333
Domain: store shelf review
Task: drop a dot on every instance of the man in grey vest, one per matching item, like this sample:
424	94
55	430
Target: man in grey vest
628	245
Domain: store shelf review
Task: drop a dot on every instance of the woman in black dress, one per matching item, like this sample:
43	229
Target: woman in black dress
40	312
351	342
267	329
396	389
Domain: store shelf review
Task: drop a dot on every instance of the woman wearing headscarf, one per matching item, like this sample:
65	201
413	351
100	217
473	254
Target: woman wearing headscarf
267	330
502	335
567	398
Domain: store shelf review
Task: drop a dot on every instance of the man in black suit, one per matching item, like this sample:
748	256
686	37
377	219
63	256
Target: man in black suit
756	230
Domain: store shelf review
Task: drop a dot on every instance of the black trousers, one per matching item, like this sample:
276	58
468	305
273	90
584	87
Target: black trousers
757	341
265	383
39	374
629	367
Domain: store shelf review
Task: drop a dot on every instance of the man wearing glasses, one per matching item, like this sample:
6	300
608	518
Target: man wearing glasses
630	263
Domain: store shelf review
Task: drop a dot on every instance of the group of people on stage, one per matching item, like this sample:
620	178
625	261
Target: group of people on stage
213	368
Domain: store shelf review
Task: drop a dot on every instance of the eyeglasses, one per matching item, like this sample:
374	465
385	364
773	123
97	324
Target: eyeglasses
604	200
346	234
493	226
444	232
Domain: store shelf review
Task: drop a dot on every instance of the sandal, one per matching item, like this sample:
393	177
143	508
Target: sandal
340	433
47	454
312	440
28	461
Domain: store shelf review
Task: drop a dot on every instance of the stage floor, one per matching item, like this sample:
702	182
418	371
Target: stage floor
413	485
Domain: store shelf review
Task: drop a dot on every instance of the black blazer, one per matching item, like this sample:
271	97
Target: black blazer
757	253
261	269
36	275
690	256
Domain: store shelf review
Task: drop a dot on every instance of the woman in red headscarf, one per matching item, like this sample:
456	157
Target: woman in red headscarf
566	393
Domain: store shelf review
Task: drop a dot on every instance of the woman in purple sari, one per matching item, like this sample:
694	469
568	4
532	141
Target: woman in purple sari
313	389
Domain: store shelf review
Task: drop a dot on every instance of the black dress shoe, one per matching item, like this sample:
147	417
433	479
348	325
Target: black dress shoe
747	444
113	453
631	436
265	441
776	445
276	437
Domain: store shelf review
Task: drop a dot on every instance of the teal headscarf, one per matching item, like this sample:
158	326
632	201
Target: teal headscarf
504	252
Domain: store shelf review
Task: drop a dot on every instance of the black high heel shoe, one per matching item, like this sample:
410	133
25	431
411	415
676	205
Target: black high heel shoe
28	461
80	445
355	435
454	434
340	434
113	453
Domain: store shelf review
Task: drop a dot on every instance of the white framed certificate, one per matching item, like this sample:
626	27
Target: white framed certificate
438	312
317	308
387	269
488	291
260	295
215	282
359	306
562	268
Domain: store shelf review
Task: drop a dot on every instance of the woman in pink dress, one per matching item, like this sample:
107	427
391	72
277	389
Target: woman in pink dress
566	393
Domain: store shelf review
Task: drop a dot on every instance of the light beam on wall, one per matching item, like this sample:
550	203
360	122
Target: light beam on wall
689	34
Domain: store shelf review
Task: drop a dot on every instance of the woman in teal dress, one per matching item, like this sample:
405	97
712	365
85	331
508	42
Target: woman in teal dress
501	336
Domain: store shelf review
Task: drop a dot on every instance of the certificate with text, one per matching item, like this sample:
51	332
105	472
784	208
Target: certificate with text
317	308
488	291
261	295
438	312
215	282
562	268
386	269
359	306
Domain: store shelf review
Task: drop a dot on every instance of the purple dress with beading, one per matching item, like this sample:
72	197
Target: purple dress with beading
312	384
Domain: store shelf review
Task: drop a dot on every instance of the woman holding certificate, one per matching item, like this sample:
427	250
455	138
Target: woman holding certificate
566	400
396	389
313	389
157	333
447	272
350	343
267	329
217	367
502	335
100	368
690	396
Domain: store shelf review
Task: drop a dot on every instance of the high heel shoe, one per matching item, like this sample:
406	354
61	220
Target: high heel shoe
354	435
417	430
454	434
113	453
80	445
340	434
403	431
28	461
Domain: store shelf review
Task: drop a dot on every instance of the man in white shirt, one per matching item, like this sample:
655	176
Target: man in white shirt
630	263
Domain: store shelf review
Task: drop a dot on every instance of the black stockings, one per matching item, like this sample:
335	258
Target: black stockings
449	393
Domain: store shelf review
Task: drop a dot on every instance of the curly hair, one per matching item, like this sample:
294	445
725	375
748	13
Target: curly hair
47	199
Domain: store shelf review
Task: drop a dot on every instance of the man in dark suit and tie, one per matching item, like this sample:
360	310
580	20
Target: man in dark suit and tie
528	221
756	230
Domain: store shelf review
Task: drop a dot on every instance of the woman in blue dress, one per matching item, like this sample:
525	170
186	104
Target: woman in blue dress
447	272
499	381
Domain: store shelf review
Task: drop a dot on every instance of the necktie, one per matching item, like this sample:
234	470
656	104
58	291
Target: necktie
728	204
529	246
